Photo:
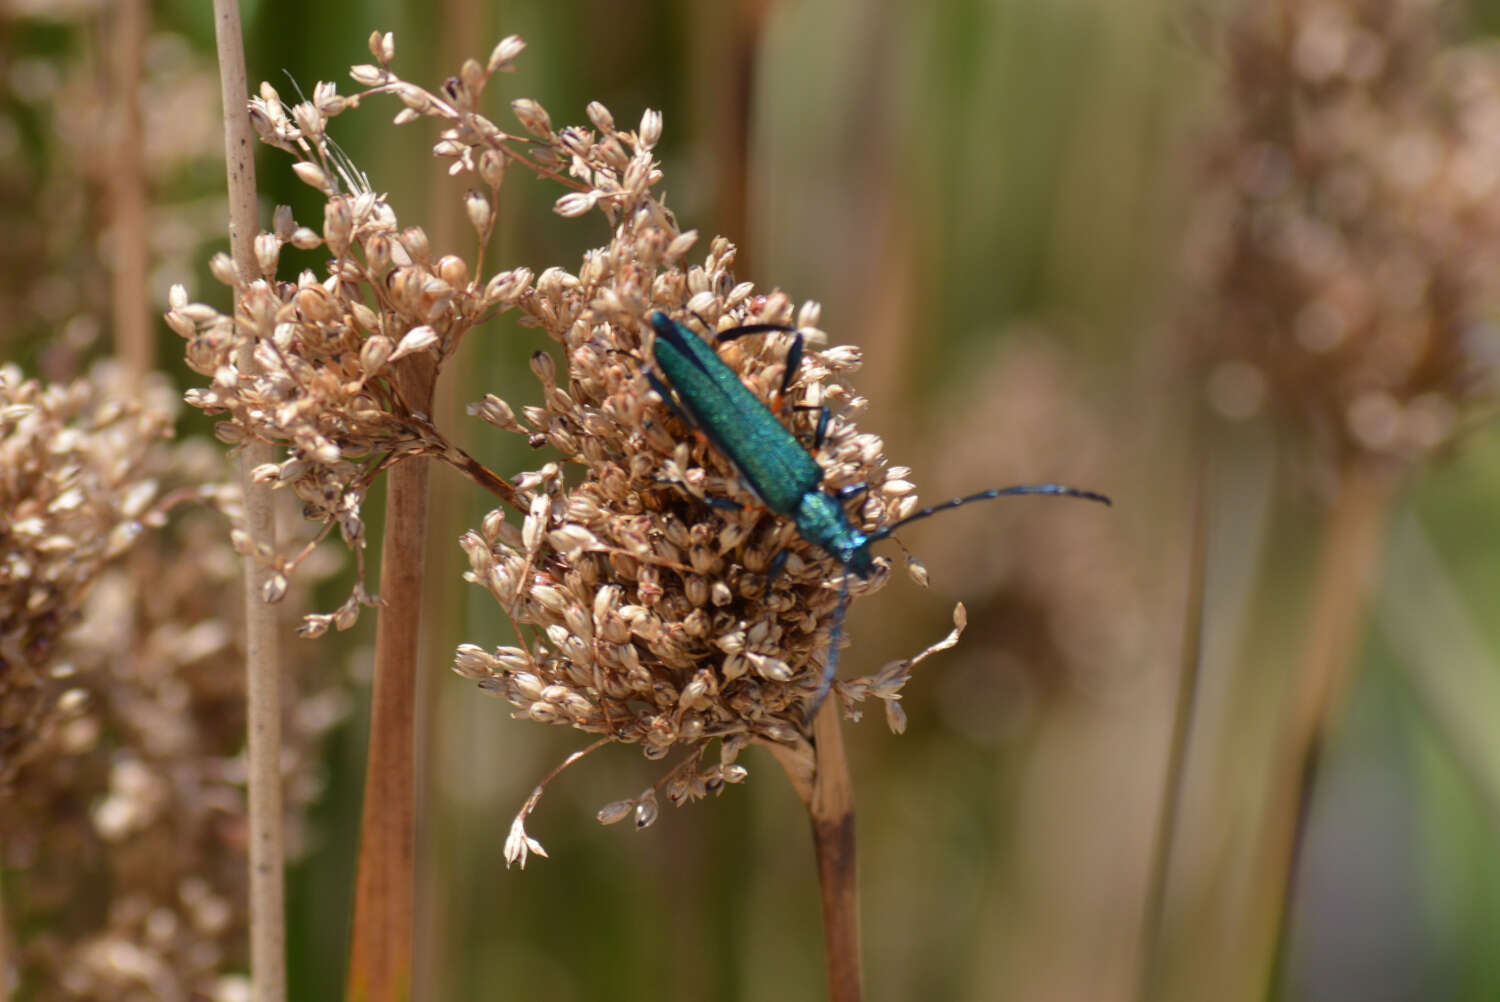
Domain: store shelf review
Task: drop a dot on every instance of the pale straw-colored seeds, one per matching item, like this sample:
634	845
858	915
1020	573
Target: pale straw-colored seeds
644	611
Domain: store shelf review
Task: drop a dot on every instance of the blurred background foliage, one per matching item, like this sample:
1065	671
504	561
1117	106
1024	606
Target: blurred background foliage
989	197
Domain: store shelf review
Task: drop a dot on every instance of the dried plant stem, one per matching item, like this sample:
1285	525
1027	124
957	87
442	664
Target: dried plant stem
263	713
831	808
380	953
1342	589
5	972
127	192
1189	671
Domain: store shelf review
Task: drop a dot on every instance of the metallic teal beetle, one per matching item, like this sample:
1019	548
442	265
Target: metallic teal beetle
773	464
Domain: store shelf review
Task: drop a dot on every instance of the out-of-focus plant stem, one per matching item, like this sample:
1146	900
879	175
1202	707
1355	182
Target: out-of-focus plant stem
127	195
1342	588
262	667
1174	783
5	972
1445	656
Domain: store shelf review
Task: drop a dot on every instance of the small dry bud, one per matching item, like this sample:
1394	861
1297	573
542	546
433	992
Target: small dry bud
575	203
533	117
383	47
282	222
502	56
312	175
417	339
650	133
367	75
600	116
274	588
614	812
221	266
496	412
492	167
267	253
375	353
481	216
338	226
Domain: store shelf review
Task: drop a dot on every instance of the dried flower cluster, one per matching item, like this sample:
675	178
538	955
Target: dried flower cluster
653	618
650	614
331	377
124	838
73	490
1349	242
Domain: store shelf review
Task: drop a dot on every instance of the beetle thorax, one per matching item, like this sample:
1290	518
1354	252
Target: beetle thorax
821	519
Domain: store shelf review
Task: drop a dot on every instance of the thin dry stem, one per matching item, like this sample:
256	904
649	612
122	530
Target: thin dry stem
819	774
6	975
1346	572
267	907
380	954
1175	780
831	809
127	177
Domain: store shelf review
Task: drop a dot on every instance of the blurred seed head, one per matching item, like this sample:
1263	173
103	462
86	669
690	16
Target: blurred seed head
1346	241
73	491
123	837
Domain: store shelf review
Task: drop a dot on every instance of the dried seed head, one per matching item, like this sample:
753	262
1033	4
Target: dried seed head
649	615
1346	239
74	484
654	622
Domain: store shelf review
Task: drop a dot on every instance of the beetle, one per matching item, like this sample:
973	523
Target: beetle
697	384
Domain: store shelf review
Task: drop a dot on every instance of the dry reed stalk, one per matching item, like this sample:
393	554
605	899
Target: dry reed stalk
262	665
133	331
380	952
819	774
831	810
1174	785
8	977
1343	585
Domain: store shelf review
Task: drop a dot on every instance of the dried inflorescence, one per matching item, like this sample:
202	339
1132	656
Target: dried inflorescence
1348	243
655	619
651	616
336	366
124	838
73	491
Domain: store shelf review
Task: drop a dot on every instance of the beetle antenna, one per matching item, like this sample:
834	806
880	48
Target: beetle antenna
1059	490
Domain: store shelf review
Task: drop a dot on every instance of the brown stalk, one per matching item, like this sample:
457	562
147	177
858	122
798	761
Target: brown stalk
831	809
127	194
821	781
1185	703
5	962
380	952
263	712
1342	588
